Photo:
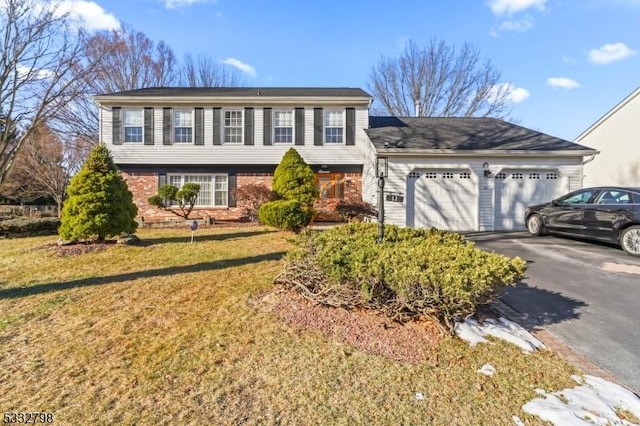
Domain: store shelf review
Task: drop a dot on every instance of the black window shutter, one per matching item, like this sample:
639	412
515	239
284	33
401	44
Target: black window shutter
116	129
199	127
318	126
299	126
217	131
268	126
167	127
232	182
248	126
351	126
148	126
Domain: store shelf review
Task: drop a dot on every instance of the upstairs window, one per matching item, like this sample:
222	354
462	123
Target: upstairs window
133	121
233	126
333	126
183	126
283	127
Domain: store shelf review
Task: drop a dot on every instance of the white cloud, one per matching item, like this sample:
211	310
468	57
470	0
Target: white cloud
89	15
610	52
521	25
563	82
32	74
246	68
510	7
513	94
177	4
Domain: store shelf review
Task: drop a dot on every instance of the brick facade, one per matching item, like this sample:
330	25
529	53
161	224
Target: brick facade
145	184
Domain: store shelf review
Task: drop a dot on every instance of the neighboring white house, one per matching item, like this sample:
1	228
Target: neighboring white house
617	136
459	174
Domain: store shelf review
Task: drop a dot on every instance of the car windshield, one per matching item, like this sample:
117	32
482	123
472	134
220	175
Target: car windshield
581	197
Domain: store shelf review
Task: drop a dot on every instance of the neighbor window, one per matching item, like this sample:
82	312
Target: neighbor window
233	126
283	126
333	126
213	188
133	120
183	126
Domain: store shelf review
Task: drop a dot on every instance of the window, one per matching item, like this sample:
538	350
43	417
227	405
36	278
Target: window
580	197
133	120
283	126
330	185
183	126
613	197
213	188
233	126
333	126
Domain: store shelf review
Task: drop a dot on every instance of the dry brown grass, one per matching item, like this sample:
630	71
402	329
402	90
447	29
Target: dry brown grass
180	333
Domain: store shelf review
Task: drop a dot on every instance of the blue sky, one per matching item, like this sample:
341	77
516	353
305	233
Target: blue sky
568	61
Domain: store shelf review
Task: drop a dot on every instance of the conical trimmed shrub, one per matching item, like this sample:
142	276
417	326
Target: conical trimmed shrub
293	179
99	204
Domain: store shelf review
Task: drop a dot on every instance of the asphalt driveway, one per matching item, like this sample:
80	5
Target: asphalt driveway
586	294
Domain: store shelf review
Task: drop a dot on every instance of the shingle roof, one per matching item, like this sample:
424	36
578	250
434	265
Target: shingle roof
458	133
244	92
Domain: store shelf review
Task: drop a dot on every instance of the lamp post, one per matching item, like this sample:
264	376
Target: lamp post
382	171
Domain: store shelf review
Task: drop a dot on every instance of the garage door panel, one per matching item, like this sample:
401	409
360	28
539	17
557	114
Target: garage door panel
445	200
515	190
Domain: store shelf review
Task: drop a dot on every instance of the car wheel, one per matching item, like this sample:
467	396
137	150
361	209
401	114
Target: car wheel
630	240
535	226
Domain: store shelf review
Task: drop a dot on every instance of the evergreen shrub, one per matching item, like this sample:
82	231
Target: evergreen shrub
412	272
288	215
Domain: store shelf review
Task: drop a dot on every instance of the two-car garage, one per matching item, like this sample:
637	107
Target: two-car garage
450	198
468	174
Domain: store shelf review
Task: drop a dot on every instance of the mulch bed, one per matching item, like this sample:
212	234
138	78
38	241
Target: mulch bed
363	330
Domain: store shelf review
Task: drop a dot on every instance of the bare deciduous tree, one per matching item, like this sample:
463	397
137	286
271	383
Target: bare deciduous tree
446	82
40	68
205	71
43	167
127	60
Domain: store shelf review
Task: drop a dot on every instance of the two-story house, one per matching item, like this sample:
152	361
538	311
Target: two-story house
221	138
460	174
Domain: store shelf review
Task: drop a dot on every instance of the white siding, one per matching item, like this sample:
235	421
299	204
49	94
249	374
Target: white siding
234	153
106	122
617	137
208	126
369	181
568	168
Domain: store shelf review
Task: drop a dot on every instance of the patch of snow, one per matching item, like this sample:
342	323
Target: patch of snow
487	370
474	333
594	401
470	331
517	421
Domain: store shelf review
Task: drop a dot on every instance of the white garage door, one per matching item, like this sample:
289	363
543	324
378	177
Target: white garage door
518	189
445	199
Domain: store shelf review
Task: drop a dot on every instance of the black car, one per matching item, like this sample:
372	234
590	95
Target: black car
609	214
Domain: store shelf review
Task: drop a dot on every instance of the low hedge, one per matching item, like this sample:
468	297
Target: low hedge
413	272
288	215
29	227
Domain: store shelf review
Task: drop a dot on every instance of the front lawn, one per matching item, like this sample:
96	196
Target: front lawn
180	333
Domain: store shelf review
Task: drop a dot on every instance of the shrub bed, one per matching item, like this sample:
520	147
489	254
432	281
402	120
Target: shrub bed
29	227
413	272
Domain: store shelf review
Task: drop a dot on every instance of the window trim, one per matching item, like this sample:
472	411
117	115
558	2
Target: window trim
213	188
343	126
175	127
124	126
292	127
225	127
